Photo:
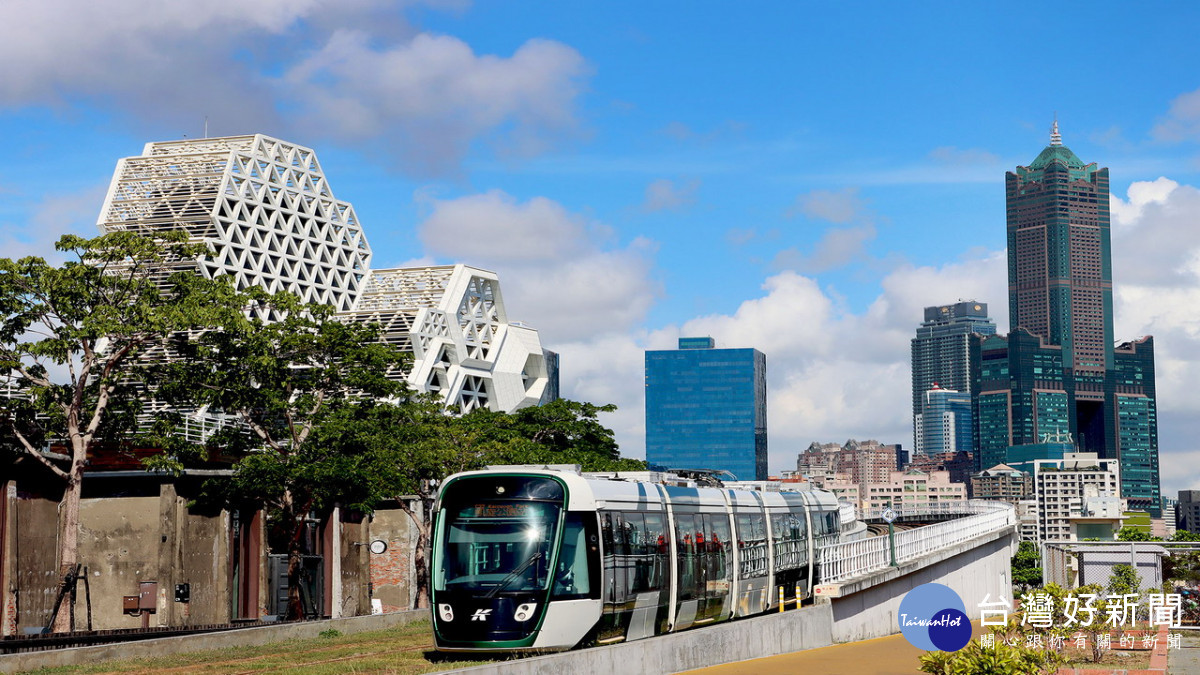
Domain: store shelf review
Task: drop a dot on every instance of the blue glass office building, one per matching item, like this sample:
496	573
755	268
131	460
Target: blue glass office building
706	408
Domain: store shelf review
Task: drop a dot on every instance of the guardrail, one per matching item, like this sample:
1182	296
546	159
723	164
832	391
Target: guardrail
956	507
847	560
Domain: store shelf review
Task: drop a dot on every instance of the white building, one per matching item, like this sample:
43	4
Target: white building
913	489
453	320
1078	497
269	218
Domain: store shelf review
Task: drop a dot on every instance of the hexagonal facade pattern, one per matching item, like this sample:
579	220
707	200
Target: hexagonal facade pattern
270	219
452	318
263	207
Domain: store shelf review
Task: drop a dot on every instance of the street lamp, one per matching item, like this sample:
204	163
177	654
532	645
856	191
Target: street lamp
888	516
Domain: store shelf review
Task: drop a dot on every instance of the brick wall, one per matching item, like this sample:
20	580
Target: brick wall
392	571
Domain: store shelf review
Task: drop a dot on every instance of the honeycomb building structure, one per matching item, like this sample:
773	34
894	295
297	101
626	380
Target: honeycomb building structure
265	211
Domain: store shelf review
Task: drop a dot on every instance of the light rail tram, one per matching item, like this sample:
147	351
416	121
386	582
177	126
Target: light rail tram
550	560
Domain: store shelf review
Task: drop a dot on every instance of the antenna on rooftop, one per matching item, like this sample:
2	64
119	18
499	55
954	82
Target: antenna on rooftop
1055	137
206	126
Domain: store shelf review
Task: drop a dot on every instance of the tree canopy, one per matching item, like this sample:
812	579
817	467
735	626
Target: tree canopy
78	342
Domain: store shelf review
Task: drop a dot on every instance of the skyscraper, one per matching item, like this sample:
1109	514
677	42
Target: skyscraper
706	408
944	424
940	357
1058	371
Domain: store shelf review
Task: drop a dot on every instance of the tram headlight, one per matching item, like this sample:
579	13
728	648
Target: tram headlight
525	611
446	612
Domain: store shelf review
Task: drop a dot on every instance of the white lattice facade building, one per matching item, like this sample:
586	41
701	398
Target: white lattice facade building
453	321
266	212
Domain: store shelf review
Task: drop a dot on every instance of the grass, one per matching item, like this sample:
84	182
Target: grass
405	650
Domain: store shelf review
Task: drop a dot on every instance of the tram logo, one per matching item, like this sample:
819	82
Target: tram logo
481	615
933	617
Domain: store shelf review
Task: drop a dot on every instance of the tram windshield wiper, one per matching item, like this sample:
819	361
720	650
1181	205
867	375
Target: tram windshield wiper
513	575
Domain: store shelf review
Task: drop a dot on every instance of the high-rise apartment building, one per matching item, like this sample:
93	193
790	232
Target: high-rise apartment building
1001	483
913	489
941	357
706	408
1187	511
1058	371
1077	497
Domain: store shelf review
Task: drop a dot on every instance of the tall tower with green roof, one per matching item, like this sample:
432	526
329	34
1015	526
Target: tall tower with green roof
1059	256
1058	370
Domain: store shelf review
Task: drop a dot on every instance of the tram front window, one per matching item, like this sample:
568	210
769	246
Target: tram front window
498	547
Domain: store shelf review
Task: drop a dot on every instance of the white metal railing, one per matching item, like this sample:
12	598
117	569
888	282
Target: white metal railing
954	507
839	562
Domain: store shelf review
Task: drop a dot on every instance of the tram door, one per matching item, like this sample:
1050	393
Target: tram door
635	575
704	568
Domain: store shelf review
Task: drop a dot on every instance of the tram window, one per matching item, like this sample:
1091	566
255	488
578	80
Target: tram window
657	549
637	569
577	559
616	552
685	533
721	540
606	527
789	536
752	542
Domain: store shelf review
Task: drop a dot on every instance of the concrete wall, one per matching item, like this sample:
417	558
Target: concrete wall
769	635
118	543
8	599
193	549
34	559
974	570
127	540
352	595
155	536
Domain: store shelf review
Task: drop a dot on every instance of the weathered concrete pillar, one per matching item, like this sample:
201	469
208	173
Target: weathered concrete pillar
8	601
169	560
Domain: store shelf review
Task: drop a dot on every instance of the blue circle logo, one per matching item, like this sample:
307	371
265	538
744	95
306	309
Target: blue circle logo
933	617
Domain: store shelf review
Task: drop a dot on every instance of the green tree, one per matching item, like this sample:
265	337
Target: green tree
296	386
415	444
1129	533
1027	566
74	337
1124	580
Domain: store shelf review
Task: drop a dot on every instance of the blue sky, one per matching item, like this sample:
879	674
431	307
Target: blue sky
798	177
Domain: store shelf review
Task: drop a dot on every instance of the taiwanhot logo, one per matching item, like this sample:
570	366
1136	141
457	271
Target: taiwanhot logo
933	617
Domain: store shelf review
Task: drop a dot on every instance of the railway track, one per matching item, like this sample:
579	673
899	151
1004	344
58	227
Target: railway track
17	644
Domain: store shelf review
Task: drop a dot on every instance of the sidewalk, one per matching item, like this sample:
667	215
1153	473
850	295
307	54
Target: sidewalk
1186	660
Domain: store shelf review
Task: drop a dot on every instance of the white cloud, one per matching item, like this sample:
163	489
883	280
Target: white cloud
832	374
423	102
153	58
665	195
836	247
1156	281
1182	121
556	270
949	154
841	206
52	217
493	225
348	70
